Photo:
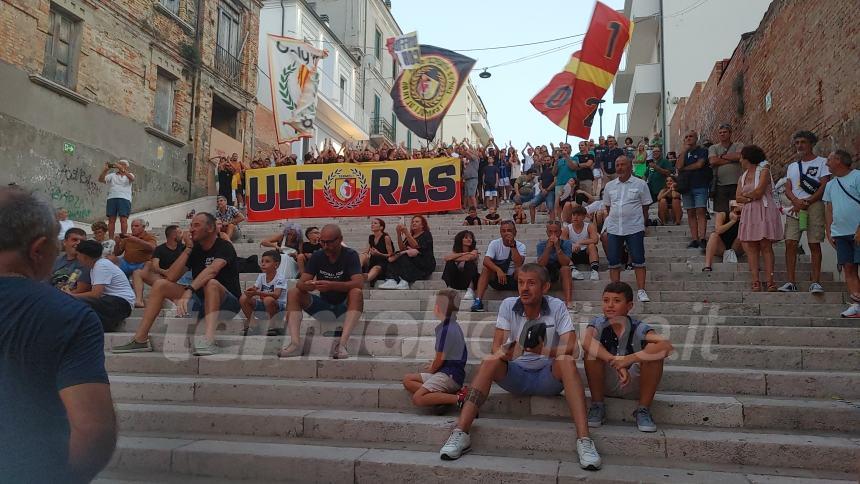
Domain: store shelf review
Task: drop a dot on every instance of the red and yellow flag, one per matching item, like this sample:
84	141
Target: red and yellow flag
572	96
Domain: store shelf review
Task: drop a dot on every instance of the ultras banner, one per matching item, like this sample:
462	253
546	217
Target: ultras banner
353	190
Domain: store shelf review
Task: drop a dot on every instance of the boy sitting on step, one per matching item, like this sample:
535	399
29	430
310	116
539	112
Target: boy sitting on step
623	358
268	294
442	378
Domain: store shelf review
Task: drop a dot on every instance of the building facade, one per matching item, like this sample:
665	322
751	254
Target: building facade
675	44
340	116
163	83
467	118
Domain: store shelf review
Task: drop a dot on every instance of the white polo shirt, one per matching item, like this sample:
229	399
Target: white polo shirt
553	313
625	201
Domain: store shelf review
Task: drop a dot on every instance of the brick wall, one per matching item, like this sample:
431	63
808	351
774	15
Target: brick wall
806	54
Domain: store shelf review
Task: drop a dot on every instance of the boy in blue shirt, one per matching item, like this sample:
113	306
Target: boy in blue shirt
623	358
441	382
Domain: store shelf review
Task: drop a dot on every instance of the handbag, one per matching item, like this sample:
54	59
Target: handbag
807	184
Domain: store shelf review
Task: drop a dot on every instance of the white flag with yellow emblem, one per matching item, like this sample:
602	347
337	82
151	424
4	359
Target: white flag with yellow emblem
294	78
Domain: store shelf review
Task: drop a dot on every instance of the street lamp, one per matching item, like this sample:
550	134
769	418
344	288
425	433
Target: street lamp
600	114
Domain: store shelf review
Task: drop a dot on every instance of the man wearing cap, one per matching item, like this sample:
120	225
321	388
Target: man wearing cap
725	157
119	194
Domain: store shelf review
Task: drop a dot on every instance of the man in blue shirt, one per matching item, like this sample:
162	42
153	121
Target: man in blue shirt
693	164
554	254
57	422
842	216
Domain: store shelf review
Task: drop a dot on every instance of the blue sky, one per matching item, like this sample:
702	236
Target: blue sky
467	24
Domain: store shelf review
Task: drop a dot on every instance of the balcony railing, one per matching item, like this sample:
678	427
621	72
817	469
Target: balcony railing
228	65
381	127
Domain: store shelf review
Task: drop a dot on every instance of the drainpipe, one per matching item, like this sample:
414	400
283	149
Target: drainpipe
664	98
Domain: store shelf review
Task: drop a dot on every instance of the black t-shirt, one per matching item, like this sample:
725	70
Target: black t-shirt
609	157
49	341
491	172
309	248
225	178
546	177
584	173
341	270
700	178
473	220
167	257
228	276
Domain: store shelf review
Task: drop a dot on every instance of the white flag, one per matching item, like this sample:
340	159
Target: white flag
405	50
294	79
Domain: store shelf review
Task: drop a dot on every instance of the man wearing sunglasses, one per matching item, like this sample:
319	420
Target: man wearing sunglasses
334	271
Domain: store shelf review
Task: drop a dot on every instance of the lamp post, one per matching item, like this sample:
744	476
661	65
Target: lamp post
600	114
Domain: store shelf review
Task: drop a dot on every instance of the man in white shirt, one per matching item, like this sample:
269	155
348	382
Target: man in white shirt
806	179
119	194
533	347
501	264
627	199
111	295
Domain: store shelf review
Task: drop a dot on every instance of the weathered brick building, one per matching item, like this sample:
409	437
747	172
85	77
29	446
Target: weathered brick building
159	82
798	70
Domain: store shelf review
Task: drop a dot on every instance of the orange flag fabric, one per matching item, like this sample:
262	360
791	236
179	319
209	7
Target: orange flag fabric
553	101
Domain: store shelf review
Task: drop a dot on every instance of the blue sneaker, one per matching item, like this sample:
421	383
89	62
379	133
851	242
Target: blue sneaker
478	306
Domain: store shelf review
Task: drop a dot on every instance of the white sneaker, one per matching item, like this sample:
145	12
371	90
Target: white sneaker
577	276
388	284
643	296
595	276
852	312
730	257
589	459
402	285
460	443
470	294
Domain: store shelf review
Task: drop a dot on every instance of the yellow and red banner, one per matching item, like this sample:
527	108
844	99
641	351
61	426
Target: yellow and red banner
353	189
588	74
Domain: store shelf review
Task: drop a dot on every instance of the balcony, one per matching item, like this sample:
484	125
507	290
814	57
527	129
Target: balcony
643	109
620	126
643	49
481	126
228	66
380	129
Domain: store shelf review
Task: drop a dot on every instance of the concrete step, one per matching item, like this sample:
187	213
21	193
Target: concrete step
668	408
544	438
173	460
690	379
678	333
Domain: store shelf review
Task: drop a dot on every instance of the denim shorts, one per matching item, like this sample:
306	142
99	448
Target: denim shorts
260	307
323	310
635	246
471	186
118	207
696	198
128	268
539	198
229	304
527	381
847	251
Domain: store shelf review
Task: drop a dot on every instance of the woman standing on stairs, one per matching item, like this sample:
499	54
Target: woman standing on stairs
414	260
374	260
760	221
461	265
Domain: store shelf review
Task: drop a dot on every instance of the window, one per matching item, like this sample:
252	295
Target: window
164	102
225	117
393	69
377	45
376	105
228	29
342	94
172	5
61	48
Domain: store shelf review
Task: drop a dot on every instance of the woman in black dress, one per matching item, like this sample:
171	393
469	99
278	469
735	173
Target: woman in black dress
374	260
414	260
461	265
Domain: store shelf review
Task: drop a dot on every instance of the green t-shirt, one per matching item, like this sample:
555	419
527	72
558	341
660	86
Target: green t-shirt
657	181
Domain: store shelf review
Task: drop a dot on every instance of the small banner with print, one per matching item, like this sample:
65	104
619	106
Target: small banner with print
405	50
353	189
424	94
294	78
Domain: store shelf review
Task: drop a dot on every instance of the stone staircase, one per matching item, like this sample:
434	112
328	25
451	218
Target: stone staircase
762	388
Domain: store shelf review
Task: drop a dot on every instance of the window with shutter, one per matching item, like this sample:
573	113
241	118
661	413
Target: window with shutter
61	49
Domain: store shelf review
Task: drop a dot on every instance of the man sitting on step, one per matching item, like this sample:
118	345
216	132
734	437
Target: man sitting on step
624	358
533	354
501	263
334	271
214	289
554	254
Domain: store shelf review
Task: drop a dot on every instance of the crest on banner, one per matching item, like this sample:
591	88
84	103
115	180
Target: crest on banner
294	79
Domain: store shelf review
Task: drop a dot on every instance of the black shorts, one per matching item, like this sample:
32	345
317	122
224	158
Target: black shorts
554	270
580	257
511	285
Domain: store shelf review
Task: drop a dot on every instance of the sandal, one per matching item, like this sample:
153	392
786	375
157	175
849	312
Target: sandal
771	287
707	269
756	286
290	351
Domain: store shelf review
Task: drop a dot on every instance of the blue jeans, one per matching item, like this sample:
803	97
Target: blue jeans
323	310
229	304
539	198
696	198
635	246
